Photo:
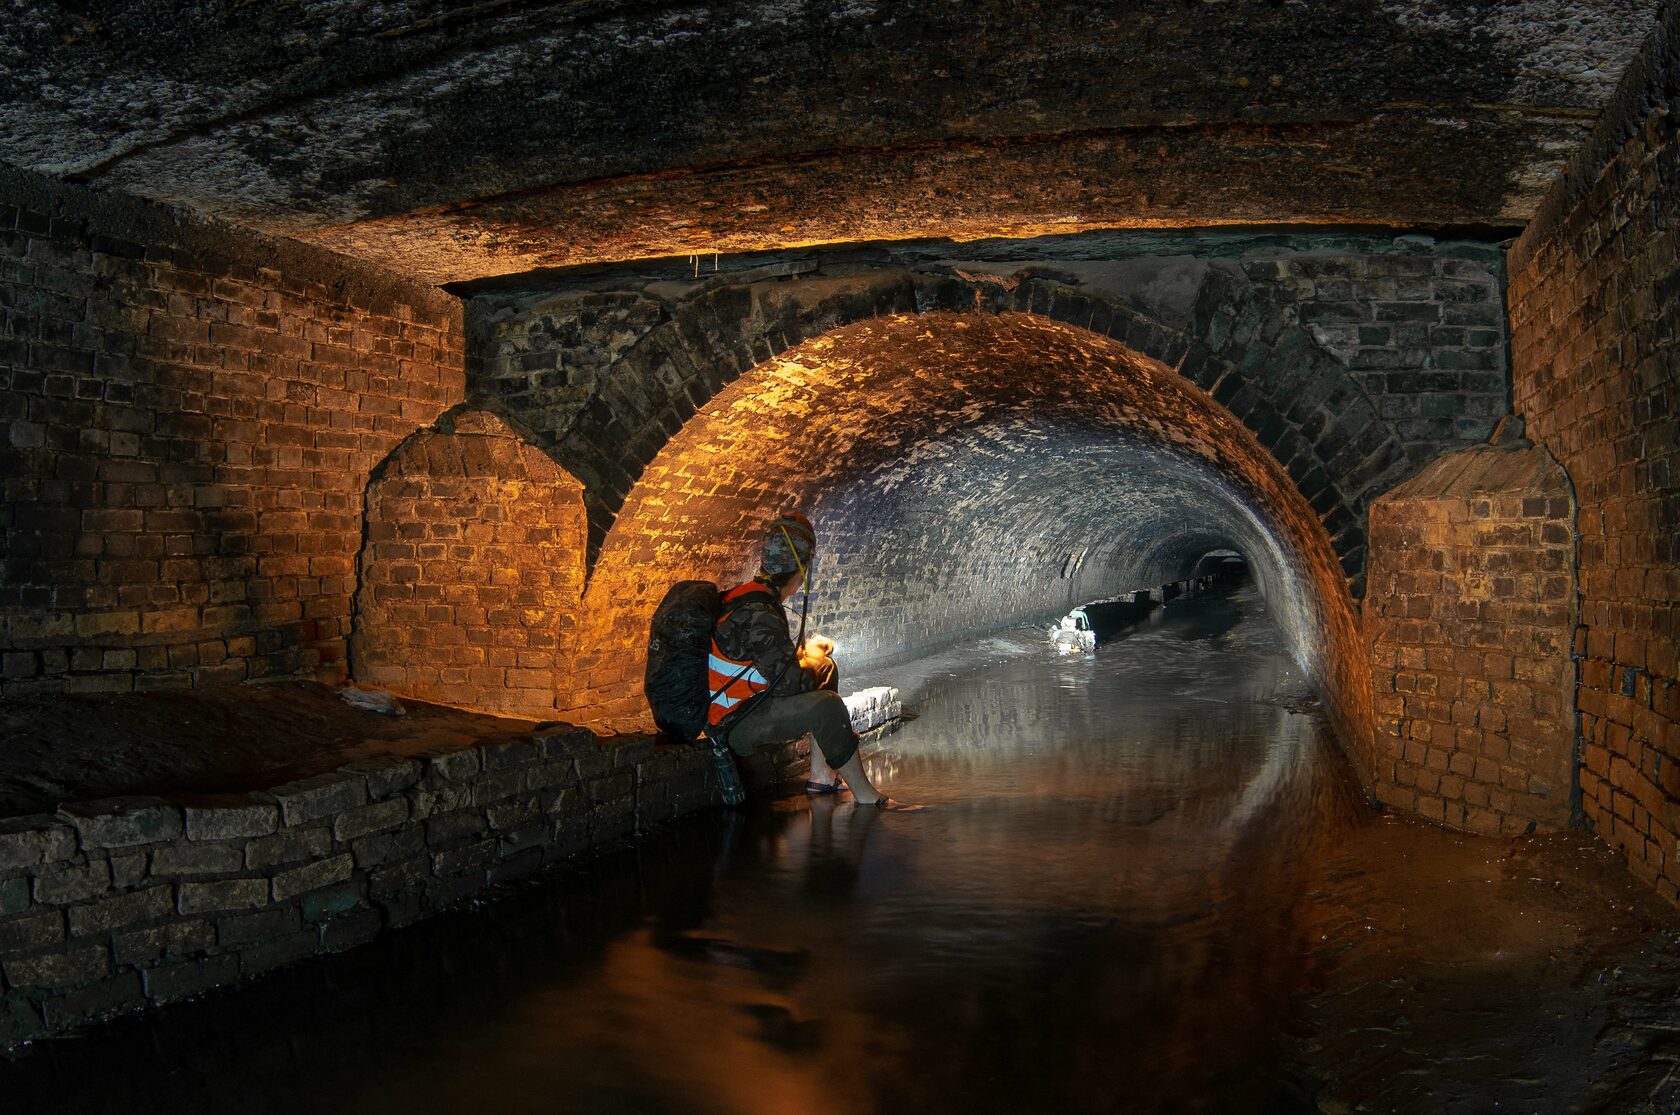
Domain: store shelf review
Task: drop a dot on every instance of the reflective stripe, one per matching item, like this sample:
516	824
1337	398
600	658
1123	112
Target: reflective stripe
726	669
731	681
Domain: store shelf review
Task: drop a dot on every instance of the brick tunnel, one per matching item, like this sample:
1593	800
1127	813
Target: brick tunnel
967	472
369	372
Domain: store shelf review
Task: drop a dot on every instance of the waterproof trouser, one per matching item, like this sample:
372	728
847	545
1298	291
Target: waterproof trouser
774	720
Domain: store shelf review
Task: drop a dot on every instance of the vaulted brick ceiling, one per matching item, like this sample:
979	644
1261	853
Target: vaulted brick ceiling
458	141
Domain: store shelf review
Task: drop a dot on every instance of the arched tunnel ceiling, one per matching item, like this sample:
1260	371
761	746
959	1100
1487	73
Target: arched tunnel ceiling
952	463
459	141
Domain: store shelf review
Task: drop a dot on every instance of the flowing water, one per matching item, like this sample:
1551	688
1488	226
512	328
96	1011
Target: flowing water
1111	907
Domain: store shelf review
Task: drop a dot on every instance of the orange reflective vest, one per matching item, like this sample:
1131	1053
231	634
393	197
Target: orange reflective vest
731	680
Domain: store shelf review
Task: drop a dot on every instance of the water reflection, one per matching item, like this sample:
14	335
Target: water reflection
1098	916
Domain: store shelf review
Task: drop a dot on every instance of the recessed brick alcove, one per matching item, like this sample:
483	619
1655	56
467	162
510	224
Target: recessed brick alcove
471	570
1471	621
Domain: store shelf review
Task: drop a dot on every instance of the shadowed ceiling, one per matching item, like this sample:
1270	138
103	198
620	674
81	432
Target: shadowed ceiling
458	141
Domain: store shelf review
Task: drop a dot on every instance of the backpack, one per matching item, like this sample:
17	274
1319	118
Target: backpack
679	639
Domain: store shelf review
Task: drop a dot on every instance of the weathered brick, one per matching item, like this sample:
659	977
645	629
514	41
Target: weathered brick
177	938
231	820
228	894
32	931
123	822
64	968
372	818
383	848
387	776
455	765
328	902
311	876
66	883
239	929
125	909
35	839
288	847
14	896
452	827
311	799
198	858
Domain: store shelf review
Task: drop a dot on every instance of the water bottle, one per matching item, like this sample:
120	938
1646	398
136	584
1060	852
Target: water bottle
728	777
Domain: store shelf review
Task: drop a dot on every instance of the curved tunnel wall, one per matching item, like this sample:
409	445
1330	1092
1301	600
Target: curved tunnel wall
953	462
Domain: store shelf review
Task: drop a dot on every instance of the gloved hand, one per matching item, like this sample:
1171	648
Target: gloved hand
815	656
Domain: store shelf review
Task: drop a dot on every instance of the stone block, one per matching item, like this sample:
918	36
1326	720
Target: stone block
14	896
388	775
492	787
128	868
566	743
312	876
562	772
235	819
325	795
123	822
178	938
383	848
593	766
189	858
124	909
512	813
317	906
614	786
60	968
455	765
427	801
233	930
630	753
33	931
229	894
396	878
509	753
455	861
35	839
72	882
371	818
454	827
287	847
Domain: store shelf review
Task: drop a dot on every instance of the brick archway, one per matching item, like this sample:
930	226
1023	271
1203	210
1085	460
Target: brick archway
656	357
952	460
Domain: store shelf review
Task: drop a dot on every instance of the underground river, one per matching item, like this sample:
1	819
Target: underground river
1148	884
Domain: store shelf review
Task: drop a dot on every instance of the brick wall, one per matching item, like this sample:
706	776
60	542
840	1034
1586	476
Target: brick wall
1595	297
1423	333
952	462
1471	621
472	570
191	416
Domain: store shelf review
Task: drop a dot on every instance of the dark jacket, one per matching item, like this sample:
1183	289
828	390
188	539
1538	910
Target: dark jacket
757	630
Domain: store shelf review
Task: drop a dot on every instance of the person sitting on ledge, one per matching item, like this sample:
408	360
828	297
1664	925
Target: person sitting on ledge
766	690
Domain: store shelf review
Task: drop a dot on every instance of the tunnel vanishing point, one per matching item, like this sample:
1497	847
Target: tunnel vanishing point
424	348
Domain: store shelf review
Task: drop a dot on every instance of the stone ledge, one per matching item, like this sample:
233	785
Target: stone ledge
125	903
